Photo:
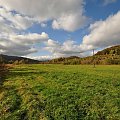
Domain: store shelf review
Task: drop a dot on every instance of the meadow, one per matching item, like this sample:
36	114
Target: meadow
61	92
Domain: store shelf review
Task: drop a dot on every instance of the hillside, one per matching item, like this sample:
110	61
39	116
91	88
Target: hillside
107	56
108	51
17	60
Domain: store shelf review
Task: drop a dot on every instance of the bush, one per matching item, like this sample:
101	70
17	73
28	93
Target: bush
3	71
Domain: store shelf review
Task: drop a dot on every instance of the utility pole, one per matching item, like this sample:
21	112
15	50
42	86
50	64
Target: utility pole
93	58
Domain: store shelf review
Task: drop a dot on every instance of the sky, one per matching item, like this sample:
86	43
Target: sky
47	29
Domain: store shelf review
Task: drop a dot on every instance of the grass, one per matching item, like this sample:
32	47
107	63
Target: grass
59	92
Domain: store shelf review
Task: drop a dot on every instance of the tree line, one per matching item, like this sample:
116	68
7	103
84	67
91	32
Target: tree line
97	59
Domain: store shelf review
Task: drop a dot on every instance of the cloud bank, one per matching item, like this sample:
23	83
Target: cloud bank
65	14
20	45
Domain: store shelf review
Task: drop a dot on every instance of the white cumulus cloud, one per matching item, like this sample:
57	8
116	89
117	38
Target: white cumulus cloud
104	33
70	22
15	44
65	14
67	48
16	21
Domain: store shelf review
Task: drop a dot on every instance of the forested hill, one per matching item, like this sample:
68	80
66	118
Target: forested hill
16	60
108	51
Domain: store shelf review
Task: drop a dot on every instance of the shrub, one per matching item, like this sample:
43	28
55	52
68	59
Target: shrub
3	71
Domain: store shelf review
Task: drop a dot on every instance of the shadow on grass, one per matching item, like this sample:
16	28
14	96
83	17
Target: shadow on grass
10	102
26	73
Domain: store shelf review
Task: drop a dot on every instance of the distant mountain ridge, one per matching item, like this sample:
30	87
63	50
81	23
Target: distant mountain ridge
17	60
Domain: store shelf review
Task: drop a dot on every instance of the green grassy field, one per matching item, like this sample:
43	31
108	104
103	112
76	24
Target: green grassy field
59	92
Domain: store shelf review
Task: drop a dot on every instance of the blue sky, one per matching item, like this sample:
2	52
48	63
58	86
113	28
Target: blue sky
44	30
